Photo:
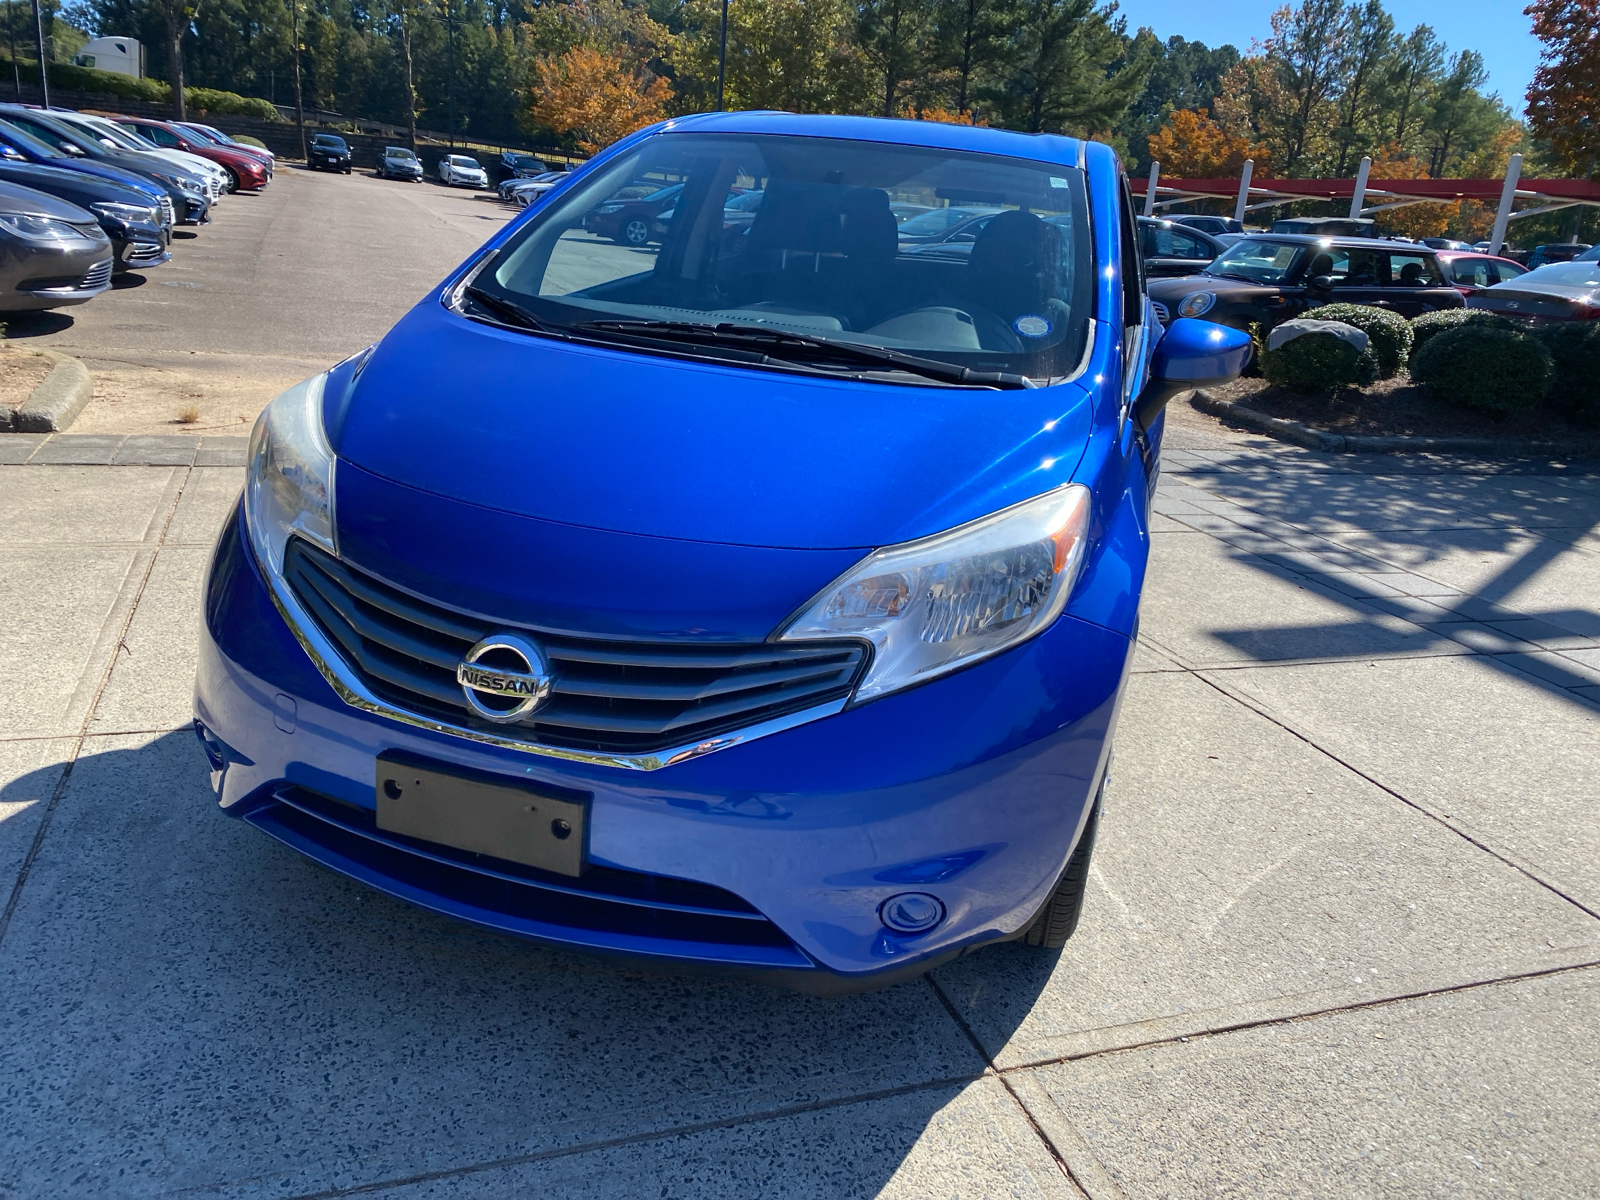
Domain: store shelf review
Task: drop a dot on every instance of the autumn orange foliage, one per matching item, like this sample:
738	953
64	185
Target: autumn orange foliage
1414	220
1566	87
1193	146
596	98
945	117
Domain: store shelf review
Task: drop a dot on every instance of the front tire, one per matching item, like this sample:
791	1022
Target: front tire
636	233
1057	921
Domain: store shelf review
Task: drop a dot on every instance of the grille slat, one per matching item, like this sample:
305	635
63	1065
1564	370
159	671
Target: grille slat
97	276
610	696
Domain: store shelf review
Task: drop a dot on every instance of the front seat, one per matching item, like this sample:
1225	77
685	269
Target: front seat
1016	271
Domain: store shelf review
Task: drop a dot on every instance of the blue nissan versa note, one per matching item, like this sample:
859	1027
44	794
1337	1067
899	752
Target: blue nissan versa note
760	599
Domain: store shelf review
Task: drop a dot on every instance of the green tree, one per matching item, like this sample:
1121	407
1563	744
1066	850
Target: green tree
1369	44
892	35
1067	69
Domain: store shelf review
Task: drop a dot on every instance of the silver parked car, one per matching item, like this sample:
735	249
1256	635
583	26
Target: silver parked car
52	253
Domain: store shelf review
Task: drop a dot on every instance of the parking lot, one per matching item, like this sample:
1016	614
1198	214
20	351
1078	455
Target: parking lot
1342	936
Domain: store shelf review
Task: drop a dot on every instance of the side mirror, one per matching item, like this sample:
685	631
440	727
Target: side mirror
10	153
1322	283
1191	353
75	151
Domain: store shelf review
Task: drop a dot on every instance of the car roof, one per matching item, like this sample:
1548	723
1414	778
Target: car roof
1352	243
1044	147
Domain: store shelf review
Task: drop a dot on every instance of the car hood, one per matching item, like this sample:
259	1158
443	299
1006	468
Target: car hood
15	199
632	443
73	186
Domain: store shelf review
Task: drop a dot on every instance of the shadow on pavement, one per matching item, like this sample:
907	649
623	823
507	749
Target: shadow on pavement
128	279
36	324
273	1019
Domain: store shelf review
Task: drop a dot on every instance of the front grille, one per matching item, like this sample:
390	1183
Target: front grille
609	696
98	276
144	253
603	900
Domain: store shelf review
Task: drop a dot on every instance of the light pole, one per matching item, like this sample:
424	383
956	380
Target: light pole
38	41
722	54
299	108
450	53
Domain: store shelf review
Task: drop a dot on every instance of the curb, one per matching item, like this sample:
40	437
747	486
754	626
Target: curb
56	402
1298	434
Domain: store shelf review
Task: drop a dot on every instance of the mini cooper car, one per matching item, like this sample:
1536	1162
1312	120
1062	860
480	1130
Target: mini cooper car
782	627
1270	278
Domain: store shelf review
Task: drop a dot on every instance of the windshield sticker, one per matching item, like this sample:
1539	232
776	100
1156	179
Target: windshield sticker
1032	326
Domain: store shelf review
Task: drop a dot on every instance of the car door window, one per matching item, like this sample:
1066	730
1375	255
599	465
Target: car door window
1411	271
1502	272
159	136
1354	268
1472	272
1186	245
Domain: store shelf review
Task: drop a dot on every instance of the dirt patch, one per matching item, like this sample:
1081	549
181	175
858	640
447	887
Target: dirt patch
1399	408
147	399
20	372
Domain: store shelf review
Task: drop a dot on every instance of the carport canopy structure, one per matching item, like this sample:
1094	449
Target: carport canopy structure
1537	195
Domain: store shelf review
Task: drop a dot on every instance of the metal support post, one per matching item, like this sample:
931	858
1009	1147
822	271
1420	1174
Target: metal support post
1359	197
1150	190
1244	189
1508	193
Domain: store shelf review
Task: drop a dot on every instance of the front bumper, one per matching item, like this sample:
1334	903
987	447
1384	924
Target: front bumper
973	787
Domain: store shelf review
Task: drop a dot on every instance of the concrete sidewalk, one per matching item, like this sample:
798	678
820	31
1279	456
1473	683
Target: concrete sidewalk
1341	940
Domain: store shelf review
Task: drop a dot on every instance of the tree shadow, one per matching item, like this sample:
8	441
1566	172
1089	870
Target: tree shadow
257	990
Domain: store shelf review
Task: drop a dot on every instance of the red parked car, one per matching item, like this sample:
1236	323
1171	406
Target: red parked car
244	170
1469	272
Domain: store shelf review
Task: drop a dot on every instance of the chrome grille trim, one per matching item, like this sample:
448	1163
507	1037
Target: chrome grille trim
350	687
98	276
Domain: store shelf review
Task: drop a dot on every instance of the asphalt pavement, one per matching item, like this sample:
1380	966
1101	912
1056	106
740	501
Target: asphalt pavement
1342	936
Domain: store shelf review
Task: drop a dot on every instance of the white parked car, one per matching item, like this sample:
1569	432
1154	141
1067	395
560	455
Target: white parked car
459	169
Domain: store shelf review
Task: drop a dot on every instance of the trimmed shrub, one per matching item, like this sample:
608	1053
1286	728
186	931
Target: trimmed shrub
1425	326
1575	351
247	140
209	100
1480	366
1319	362
1388	333
109	83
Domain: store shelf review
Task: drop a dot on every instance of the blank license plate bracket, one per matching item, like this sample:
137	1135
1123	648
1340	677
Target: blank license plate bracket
507	819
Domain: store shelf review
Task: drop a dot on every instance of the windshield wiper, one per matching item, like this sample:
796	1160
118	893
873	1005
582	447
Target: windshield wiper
510	311
804	347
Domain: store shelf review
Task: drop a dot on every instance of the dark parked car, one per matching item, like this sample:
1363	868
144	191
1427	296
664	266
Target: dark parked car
52	253
397	162
1271	278
628	215
187	191
1568	291
24	147
1325	226
1470	272
516	165
129	218
1211	225
328	152
1556	252
1173	249
245	171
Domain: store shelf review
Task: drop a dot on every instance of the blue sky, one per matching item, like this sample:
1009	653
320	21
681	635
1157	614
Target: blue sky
1496	29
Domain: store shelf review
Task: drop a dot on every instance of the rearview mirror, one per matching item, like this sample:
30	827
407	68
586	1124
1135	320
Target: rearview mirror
1189	354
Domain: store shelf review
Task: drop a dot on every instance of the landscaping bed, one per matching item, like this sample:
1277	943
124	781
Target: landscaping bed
1399	408
20	372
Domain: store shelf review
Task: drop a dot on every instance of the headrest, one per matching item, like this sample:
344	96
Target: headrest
824	218
1322	264
1019	246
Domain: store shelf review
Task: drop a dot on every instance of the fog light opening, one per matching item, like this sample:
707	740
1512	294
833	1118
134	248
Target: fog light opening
911	912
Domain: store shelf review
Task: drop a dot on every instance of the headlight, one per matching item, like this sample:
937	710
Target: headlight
605	210
944	602
42	229
126	212
290	485
1196	303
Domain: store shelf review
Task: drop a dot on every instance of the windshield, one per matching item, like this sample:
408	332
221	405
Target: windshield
1259	261
820	256
405	154
457	160
328	140
26	142
939	219
120	136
